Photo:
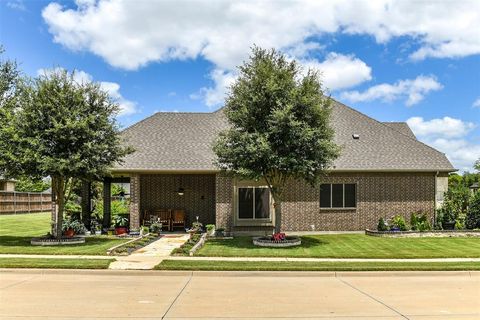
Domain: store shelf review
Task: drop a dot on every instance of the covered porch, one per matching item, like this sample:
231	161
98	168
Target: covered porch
194	194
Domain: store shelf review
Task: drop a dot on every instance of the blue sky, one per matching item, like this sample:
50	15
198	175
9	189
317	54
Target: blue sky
392	60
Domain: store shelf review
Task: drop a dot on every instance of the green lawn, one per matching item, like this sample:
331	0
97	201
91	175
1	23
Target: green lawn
350	246
314	266
55	263
16	231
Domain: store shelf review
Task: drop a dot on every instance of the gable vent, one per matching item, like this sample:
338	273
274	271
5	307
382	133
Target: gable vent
356	136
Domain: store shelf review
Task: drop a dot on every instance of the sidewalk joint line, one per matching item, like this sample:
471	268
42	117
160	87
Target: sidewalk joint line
370	296
178	295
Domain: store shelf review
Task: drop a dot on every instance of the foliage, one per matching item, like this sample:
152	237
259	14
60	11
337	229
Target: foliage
120	221
419	222
382	225
197	225
65	130
279	125
156	227
26	184
75	225
117	207
73	209
398	222
278	236
187	246
477	165
473	213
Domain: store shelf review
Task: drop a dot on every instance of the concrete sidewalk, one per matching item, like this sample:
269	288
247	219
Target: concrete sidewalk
149	256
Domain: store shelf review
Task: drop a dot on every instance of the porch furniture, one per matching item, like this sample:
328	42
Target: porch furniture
164	217
178	219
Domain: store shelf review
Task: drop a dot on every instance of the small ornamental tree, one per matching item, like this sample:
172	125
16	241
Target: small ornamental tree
65	130
279	125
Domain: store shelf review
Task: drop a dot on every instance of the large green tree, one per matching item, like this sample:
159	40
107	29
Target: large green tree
280	127
65	130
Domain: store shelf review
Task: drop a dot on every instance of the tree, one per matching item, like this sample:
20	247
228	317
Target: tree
26	184
477	165
473	213
65	130
279	125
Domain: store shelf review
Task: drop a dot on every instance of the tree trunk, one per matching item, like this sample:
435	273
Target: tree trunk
58	188
277	205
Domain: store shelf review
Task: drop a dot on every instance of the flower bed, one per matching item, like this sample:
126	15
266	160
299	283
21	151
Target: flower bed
185	249
128	247
418	234
277	241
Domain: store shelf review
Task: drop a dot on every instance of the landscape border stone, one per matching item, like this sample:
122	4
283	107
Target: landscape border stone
419	234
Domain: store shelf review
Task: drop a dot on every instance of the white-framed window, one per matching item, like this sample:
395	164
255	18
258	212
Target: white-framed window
253	203
338	195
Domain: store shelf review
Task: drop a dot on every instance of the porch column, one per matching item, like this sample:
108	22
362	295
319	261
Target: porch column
86	199
107	187
134	201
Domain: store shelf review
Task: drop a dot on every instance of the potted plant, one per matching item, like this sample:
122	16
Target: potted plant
156	227
210	229
398	223
220	232
120	223
67	228
448	220
196	227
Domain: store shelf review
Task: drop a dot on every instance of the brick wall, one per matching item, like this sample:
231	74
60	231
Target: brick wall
135	196
378	195
159	192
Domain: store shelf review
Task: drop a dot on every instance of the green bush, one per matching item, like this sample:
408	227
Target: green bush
382	226
473	213
419	222
398	221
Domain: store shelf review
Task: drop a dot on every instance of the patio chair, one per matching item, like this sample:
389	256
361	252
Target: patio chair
178	219
165	218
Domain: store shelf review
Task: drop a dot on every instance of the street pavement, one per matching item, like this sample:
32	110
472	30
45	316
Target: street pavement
111	294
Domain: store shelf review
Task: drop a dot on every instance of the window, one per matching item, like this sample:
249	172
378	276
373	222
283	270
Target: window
253	203
338	195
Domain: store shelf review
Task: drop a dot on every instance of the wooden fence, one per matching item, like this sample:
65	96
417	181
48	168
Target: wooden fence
24	202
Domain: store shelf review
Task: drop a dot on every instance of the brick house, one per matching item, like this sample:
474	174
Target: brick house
383	170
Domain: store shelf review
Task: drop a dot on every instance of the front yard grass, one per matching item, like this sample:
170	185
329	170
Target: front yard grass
314	266
55	263
16	231
349	246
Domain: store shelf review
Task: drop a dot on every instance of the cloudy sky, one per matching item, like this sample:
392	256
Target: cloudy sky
413	61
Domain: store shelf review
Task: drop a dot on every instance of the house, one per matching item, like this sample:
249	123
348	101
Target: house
383	170
7	184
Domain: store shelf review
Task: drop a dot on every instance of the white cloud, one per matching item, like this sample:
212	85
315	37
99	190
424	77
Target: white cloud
131	34
127	107
340	71
215	95
16	5
443	127
449	136
413	90
476	103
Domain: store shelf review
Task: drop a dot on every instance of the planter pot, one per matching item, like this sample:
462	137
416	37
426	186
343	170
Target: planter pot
395	229
120	230
98	232
69	233
448	225
219	233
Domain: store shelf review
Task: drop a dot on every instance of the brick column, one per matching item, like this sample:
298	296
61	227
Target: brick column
134	201
224	202
107	218
86	198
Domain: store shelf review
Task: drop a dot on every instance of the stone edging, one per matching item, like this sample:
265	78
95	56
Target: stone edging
419	234
258	241
198	245
54	242
109	251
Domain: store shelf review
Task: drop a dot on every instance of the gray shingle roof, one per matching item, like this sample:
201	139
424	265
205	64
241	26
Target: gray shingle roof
183	141
401	127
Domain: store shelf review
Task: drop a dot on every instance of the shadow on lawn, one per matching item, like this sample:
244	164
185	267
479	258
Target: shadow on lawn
15	241
244	242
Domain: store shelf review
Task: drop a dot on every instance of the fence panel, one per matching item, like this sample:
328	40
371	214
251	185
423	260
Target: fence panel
24	202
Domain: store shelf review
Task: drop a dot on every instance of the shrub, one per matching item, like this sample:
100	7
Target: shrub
75	225
419	222
120	221
382	226
398	221
473	213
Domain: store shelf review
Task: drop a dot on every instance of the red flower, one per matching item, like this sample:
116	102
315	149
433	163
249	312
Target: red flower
279	236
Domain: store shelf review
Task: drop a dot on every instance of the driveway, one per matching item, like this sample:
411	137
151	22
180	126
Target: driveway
109	294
